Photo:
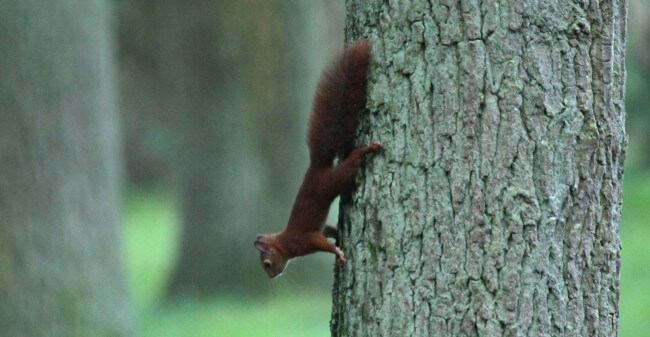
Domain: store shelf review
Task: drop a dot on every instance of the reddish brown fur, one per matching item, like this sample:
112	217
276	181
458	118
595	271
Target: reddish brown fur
340	97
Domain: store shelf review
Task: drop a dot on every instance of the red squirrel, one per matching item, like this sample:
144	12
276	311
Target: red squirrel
340	97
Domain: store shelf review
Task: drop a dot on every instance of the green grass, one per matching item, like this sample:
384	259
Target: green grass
151	239
151	234
304	315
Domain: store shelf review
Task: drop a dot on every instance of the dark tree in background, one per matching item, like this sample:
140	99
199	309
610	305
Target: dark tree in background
60	268
640	40
274	68
638	109
218	181
494	208
145	93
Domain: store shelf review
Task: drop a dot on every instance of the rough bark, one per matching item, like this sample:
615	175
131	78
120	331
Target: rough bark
494	209
60	265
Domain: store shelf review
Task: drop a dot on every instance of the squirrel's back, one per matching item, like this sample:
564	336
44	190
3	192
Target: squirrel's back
340	97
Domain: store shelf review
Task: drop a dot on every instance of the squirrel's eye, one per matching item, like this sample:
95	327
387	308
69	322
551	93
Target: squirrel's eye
267	263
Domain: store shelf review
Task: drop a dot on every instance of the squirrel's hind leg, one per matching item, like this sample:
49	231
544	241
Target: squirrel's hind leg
330	232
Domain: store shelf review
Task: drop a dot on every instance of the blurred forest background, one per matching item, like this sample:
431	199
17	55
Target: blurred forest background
214	98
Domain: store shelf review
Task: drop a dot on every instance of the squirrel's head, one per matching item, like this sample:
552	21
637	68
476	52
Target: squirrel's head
273	262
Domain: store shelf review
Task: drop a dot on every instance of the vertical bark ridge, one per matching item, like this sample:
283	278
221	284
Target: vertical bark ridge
494	209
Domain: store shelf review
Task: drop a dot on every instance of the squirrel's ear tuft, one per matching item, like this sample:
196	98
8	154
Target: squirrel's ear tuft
261	246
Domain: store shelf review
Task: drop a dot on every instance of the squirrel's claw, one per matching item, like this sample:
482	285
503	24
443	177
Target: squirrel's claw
340	257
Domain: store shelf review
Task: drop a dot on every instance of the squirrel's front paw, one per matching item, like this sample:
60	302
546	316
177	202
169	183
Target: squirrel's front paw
340	257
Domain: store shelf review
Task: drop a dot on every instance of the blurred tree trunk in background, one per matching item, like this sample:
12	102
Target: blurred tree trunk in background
145	96
495	208
240	72
60	266
218	182
638	109
274	66
640	38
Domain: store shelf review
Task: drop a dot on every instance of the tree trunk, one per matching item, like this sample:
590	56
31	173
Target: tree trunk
638	112
144	94
494	209
60	266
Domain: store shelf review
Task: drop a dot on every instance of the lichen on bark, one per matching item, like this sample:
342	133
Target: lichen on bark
495	206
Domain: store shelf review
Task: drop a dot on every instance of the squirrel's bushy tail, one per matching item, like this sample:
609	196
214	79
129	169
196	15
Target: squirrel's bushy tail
340	96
